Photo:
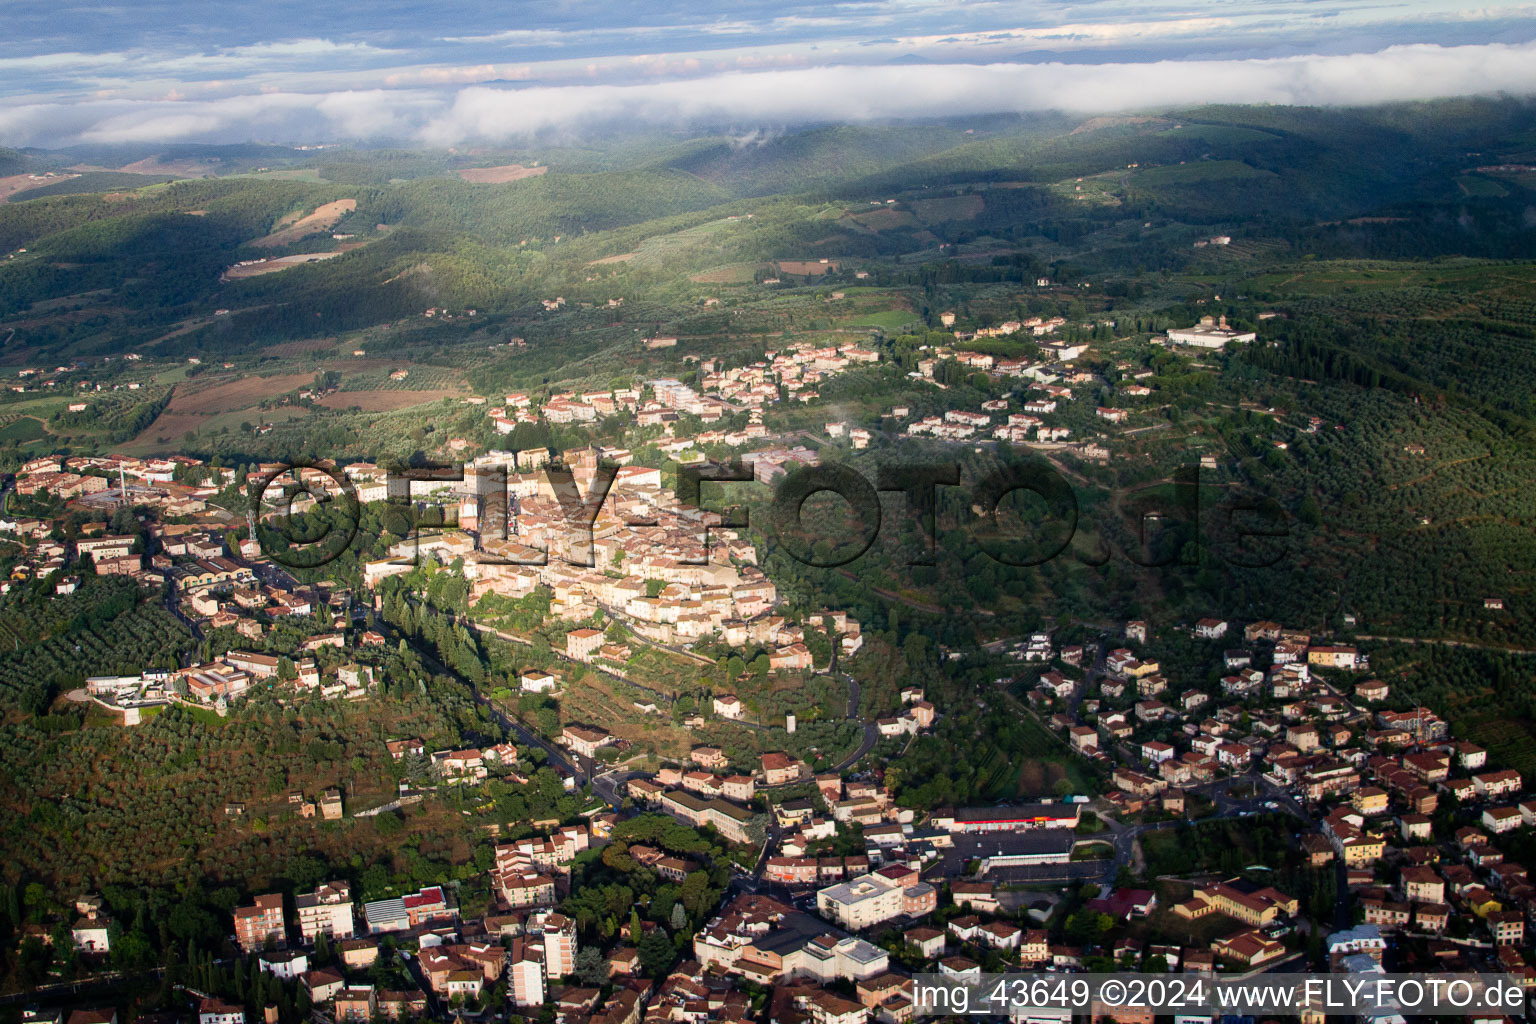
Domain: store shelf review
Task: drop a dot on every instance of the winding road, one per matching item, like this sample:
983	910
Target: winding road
871	732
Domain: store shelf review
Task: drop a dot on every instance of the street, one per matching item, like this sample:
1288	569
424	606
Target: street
871	732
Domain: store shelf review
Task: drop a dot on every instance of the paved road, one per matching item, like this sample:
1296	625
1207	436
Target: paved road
608	785
1095	672
558	758
1342	918
173	606
413	967
871	732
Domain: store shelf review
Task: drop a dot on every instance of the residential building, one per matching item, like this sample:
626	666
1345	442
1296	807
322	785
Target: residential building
261	924
214	1011
326	911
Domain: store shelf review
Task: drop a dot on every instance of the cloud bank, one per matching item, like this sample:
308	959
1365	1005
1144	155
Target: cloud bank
867	93
429	110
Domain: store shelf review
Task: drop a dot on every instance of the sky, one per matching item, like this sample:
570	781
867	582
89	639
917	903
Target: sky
456	72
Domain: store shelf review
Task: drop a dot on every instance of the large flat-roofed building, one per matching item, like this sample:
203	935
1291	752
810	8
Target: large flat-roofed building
873	899
386	916
769	942
993	852
1208	333
1245	901
730	820
1018	818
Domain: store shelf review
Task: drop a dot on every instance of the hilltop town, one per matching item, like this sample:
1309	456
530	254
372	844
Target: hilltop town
795	868
683	601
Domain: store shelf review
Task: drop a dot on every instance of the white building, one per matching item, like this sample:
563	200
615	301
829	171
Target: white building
1208	333
525	973
285	966
91	935
536	682
212	1011
326	911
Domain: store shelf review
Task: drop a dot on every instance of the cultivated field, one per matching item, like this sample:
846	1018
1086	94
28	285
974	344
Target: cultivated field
21	182
273	265
323	219
168	427
884	219
195	407
739	273
235	394
178	168
945	208
500	175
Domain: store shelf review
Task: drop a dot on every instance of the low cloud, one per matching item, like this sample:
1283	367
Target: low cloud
269	56
428	108
755	137
284	116
852	93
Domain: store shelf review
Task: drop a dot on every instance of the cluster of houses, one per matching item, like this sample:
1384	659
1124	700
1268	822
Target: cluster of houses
533	871
526	944
805	827
1264	910
953	425
858	437
564	407
107	481
234	672
523	940
1135	697
794	372
44	559
703	796
212	583
1050	371
1374	776
1036	326
1018	427
766	941
110	555
916	715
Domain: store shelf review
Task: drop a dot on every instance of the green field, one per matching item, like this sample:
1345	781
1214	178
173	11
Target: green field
1195	174
21	430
